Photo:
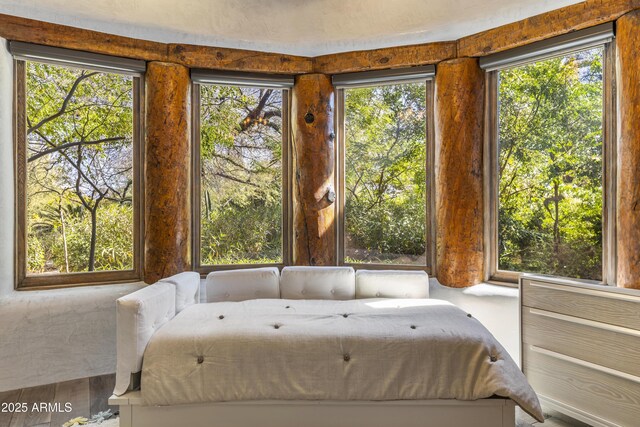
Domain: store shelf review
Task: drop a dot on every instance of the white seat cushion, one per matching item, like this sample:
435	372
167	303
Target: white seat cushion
241	285
331	283
392	284
187	289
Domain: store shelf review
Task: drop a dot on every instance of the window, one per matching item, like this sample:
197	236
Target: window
240	201
77	148
551	166
385	172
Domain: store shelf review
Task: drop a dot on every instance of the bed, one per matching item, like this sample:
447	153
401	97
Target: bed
312	346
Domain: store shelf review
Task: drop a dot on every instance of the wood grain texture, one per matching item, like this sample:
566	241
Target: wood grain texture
379	59
597	306
459	133
238	59
12	396
167	171
37	395
603	347
628	199
45	33
592	392
554	23
75	392
313	168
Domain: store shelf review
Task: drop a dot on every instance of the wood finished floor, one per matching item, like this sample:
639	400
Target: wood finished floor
88	396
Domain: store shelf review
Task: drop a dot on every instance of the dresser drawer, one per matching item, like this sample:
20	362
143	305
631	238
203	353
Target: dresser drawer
601	395
607	345
586	302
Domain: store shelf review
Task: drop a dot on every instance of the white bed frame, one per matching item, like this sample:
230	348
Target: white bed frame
494	412
140	314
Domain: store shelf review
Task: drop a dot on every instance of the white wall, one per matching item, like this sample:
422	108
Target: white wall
57	335
54	335
6	170
496	307
313	27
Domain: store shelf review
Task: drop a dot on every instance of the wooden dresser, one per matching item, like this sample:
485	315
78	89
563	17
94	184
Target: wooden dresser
581	348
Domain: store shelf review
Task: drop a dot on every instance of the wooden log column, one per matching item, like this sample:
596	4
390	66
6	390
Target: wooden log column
313	171
167	171
459	127
628	179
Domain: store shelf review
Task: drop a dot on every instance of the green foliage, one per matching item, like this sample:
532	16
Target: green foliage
550	163
385	174
79	175
114	250
36	257
241	175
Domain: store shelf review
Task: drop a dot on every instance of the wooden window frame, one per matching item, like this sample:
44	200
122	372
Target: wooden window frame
609	158
25	281
430	238
287	224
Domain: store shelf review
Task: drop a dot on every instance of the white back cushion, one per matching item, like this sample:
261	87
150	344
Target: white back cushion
392	284
139	315
187	289
241	285
318	283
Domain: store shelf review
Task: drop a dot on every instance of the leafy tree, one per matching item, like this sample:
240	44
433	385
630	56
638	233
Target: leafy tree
241	175
550	166
385	174
79	155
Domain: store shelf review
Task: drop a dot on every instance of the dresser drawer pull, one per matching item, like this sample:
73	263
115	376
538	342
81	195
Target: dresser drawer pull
595	367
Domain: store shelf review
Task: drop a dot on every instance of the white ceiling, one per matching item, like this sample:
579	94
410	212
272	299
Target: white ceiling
301	27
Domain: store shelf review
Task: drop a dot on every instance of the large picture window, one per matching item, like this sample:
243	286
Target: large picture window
240	164
385	171
550	166
77	138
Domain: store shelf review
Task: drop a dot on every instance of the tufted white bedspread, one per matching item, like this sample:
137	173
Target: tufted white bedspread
371	349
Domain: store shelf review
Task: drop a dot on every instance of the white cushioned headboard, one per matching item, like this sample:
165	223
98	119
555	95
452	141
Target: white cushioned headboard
138	316
336	283
187	289
241	285
392	284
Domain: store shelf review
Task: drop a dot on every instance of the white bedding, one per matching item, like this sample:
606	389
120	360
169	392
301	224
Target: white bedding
371	349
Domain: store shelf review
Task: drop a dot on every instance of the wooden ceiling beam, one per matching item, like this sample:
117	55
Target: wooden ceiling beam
543	26
49	34
45	33
380	59
194	56
536	28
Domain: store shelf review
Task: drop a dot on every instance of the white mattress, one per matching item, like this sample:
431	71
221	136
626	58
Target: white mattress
389	349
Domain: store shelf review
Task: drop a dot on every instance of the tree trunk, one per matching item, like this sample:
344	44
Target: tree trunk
459	129
628	180
167	236
314	163
94	232
556	220
64	238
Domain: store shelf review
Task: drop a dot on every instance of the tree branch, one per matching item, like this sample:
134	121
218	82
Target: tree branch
73	144
65	103
232	178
